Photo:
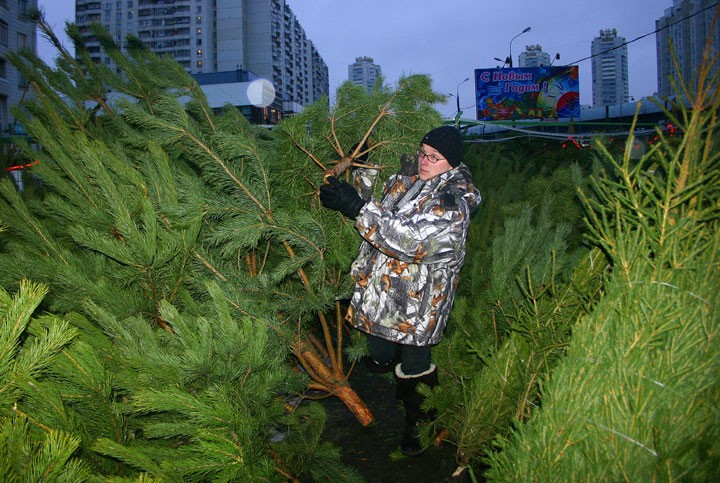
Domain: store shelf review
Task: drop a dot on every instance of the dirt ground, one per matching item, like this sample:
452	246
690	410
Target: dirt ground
369	449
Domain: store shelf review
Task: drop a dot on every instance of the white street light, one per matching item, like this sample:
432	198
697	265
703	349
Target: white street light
457	94
527	29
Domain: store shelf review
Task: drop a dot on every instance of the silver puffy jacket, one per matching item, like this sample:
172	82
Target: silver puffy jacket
406	271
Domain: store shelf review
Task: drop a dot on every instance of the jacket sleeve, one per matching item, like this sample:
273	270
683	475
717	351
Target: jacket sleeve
364	180
435	232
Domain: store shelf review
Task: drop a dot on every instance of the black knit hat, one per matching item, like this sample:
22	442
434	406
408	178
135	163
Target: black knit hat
448	141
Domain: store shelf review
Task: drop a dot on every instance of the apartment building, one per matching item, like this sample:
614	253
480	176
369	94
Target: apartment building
262	37
16	33
364	72
533	56
610	79
685	29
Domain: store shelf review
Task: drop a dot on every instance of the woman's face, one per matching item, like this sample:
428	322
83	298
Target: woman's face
431	163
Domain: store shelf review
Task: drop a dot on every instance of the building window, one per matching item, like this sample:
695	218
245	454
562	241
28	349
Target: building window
199	31
3	113
22	7
3	33
3	72
199	52
199	64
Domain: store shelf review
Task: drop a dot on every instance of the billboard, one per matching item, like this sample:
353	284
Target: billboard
547	92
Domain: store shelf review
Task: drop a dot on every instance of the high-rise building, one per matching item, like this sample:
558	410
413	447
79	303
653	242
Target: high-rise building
533	57
610	80
209	36
364	72
16	33
685	29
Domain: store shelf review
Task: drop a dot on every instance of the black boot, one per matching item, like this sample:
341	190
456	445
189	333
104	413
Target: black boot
412	400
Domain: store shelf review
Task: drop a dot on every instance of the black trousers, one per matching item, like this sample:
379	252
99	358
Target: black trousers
413	359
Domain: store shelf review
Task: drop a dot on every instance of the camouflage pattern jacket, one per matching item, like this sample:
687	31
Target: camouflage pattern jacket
406	271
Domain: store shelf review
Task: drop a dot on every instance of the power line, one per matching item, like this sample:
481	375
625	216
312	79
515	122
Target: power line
647	34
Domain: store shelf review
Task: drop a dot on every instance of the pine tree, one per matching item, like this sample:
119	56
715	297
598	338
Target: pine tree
514	315
40	435
216	383
185	238
636	396
119	228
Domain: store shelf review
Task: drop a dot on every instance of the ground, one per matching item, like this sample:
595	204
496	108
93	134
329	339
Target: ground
368	449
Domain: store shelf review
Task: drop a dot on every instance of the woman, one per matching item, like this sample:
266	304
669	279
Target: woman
406	271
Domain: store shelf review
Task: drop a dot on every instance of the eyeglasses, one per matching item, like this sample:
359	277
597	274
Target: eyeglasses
433	158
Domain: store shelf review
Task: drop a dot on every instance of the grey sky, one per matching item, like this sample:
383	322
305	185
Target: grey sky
450	39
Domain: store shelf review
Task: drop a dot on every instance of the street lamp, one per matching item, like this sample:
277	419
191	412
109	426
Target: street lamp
527	29
457	94
504	62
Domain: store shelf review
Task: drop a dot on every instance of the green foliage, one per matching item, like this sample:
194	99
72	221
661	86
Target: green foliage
126	234
187	263
636	396
317	138
40	429
201	400
188	405
189	253
317	458
24	458
527	279
396	118
499	355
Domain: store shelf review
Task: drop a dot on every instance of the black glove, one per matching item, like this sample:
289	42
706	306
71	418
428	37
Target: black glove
408	165
341	196
362	159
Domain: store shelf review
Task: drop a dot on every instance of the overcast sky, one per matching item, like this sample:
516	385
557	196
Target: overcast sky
450	39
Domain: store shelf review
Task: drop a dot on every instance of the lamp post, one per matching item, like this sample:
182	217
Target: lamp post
527	29
457	95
